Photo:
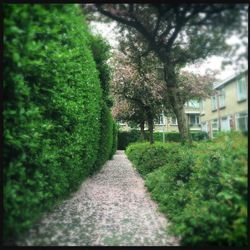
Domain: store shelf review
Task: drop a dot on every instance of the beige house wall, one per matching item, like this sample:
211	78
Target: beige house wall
167	127
123	127
232	106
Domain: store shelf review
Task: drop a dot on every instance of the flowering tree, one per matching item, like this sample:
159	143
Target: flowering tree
138	91
195	86
178	34
129	112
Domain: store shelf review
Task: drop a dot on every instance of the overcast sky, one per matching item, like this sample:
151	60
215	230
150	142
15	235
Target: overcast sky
108	31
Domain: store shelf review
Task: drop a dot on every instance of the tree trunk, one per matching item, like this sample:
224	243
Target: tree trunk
182	124
142	130
177	105
151	129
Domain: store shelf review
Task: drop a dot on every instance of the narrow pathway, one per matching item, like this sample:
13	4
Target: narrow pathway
112	208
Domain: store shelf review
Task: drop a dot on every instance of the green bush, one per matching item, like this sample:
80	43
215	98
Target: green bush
203	190
101	53
114	143
147	157
175	137
218	196
52	109
106	138
127	137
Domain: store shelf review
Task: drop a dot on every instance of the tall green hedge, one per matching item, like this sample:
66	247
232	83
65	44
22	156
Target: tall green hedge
52	109
114	143
106	138
101	53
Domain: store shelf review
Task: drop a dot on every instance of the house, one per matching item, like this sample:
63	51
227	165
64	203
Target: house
227	109
169	124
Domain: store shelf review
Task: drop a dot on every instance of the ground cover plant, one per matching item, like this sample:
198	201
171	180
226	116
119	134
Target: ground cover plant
54	110
202	189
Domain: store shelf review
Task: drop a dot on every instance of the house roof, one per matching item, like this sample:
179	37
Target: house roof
227	80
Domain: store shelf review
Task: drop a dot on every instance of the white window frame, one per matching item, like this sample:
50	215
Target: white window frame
162	121
242	81
197	119
228	123
222	98
174	123
194	104
239	115
202	102
213	102
215	121
204	126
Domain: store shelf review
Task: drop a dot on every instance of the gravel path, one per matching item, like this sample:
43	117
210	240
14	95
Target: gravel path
112	208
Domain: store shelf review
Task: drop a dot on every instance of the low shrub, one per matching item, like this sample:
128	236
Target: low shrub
175	137
147	157
127	137
203	190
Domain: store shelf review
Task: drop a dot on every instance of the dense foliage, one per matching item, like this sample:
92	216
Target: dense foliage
53	110
161	28
106	138
127	137
114	143
202	189
148	157
107	143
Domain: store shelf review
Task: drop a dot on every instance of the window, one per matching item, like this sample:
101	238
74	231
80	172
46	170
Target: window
202	107
160	120
194	119
225	124
214	103
241	89
241	121
192	104
215	124
204	126
221	94
174	120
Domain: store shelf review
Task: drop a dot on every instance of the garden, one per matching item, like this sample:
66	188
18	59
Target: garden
201	189
66	89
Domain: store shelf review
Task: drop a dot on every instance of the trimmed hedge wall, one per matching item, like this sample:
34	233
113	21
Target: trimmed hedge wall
101	53
201	189
114	143
127	137
53	110
106	138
